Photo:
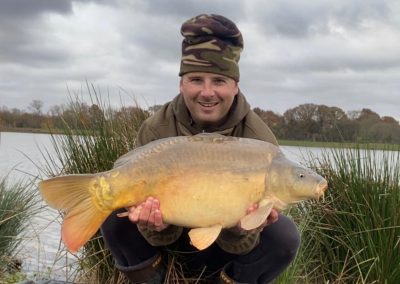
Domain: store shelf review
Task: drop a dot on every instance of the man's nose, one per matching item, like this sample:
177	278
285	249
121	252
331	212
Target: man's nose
207	89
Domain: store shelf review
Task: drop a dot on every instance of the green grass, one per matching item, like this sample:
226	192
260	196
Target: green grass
354	235
90	147
18	204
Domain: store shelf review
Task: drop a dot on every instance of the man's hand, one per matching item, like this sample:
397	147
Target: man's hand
272	218
147	215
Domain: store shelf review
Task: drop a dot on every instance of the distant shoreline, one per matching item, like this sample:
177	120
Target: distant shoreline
30	130
282	142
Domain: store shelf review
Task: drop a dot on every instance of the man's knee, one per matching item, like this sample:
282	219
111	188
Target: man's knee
125	242
283	237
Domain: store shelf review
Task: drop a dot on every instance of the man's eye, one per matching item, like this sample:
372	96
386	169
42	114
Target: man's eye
219	81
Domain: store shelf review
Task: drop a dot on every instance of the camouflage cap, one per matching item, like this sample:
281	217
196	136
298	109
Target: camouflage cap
212	43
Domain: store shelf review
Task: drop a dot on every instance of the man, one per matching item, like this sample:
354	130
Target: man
209	101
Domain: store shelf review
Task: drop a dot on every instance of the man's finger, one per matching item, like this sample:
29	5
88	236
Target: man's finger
153	208
158	221
123	214
129	210
145	212
252	208
134	215
273	217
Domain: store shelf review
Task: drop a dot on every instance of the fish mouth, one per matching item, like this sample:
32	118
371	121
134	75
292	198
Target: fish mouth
321	188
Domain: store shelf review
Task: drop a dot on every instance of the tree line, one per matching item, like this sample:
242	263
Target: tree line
323	123
310	122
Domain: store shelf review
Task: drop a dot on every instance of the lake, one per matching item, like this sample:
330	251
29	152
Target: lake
42	252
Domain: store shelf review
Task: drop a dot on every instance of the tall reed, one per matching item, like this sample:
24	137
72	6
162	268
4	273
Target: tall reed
18	204
90	146
354	235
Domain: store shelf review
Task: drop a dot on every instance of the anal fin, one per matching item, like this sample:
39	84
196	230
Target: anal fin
202	238
258	217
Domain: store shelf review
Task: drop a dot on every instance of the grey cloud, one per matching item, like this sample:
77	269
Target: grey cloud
279	90
154	38
157	23
331	62
304	18
17	9
22	35
30	54
354	13
184	10
20	22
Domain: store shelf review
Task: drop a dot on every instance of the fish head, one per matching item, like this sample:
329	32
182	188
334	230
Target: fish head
292	183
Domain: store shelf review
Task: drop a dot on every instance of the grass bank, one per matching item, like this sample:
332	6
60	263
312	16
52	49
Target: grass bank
319	144
18	204
353	235
29	130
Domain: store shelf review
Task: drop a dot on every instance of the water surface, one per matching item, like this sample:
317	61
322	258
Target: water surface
42	252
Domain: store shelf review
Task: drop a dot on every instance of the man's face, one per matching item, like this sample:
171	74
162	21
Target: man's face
208	96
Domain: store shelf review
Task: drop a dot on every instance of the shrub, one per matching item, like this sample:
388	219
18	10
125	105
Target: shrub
18	204
91	144
353	236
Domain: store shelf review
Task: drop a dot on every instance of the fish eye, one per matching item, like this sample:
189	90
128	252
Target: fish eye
301	175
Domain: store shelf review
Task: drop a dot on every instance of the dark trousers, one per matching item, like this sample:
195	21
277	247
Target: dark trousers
277	248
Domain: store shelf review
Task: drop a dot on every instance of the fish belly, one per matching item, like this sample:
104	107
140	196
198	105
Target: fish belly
205	199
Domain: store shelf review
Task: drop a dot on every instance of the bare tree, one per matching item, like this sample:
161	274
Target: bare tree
36	106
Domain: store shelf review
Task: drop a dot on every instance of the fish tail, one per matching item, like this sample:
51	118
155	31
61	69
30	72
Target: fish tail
71	194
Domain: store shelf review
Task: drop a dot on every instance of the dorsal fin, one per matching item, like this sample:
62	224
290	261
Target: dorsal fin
156	146
148	149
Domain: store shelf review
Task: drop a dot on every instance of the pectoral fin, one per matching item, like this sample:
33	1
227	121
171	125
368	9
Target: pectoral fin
202	238
258	217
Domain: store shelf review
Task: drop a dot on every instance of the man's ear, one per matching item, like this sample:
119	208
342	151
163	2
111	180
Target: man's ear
237	87
180	85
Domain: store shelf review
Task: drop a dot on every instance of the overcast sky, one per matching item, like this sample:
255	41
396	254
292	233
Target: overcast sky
343	53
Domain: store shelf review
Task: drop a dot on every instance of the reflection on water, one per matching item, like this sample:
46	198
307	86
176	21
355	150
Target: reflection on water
42	252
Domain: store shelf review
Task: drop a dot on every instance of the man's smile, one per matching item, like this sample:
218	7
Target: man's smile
208	104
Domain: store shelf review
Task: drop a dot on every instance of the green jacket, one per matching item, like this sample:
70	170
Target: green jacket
173	119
